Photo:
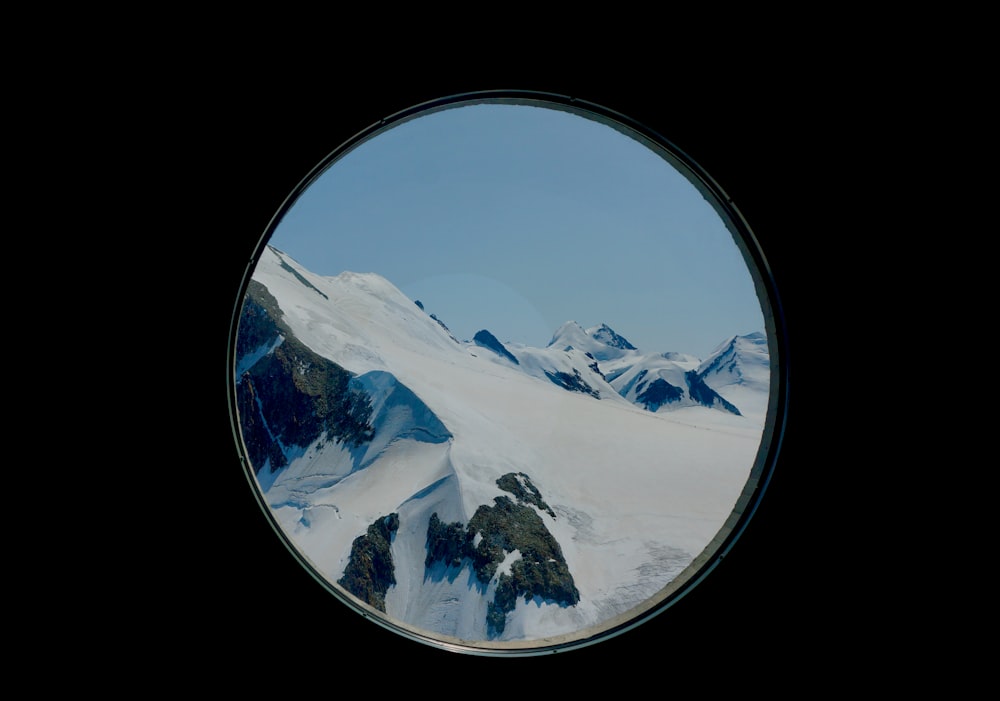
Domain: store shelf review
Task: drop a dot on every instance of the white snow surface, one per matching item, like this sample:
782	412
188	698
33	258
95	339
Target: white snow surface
637	495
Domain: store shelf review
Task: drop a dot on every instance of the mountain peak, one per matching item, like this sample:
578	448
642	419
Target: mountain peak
605	334
485	339
741	360
567	333
601	342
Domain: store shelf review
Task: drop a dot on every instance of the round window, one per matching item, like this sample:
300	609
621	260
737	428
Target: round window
507	374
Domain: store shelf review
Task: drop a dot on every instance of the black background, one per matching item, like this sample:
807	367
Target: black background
243	605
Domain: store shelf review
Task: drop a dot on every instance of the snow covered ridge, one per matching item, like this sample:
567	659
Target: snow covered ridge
480	491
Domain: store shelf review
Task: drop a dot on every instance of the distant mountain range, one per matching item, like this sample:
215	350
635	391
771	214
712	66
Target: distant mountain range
478	490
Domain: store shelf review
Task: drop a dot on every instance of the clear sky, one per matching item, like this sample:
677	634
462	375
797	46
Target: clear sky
517	218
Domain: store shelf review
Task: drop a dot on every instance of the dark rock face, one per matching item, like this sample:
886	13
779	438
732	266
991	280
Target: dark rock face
257	326
262	449
439	322
295	273
290	396
492	533
487	340
521	487
574	382
607	335
594	367
541	570
703	394
370	571
449	543
657	393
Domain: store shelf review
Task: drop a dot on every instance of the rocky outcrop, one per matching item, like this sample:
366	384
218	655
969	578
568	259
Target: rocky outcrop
524	491
370	571
493	532
606	335
657	393
594	367
573	382
485	339
703	394
288	395
541	570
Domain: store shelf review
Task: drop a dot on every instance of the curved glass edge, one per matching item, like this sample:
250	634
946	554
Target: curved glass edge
778	398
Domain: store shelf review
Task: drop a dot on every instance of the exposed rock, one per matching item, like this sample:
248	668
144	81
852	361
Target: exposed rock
262	450
594	367
447	542
574	382
444	326
495	531
290	396
521	487
605	334
657	393
370	571
487	340
541	570
703	394
295	273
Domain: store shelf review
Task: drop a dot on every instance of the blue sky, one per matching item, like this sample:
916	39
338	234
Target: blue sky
517	218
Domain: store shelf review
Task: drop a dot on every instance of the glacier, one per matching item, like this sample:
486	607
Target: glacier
633	492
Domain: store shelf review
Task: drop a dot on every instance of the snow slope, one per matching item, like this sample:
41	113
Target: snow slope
636	494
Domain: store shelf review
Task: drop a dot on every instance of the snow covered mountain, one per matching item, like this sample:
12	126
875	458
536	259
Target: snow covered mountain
600	362
480	491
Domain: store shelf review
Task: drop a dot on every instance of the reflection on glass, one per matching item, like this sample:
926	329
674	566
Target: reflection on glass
502	375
